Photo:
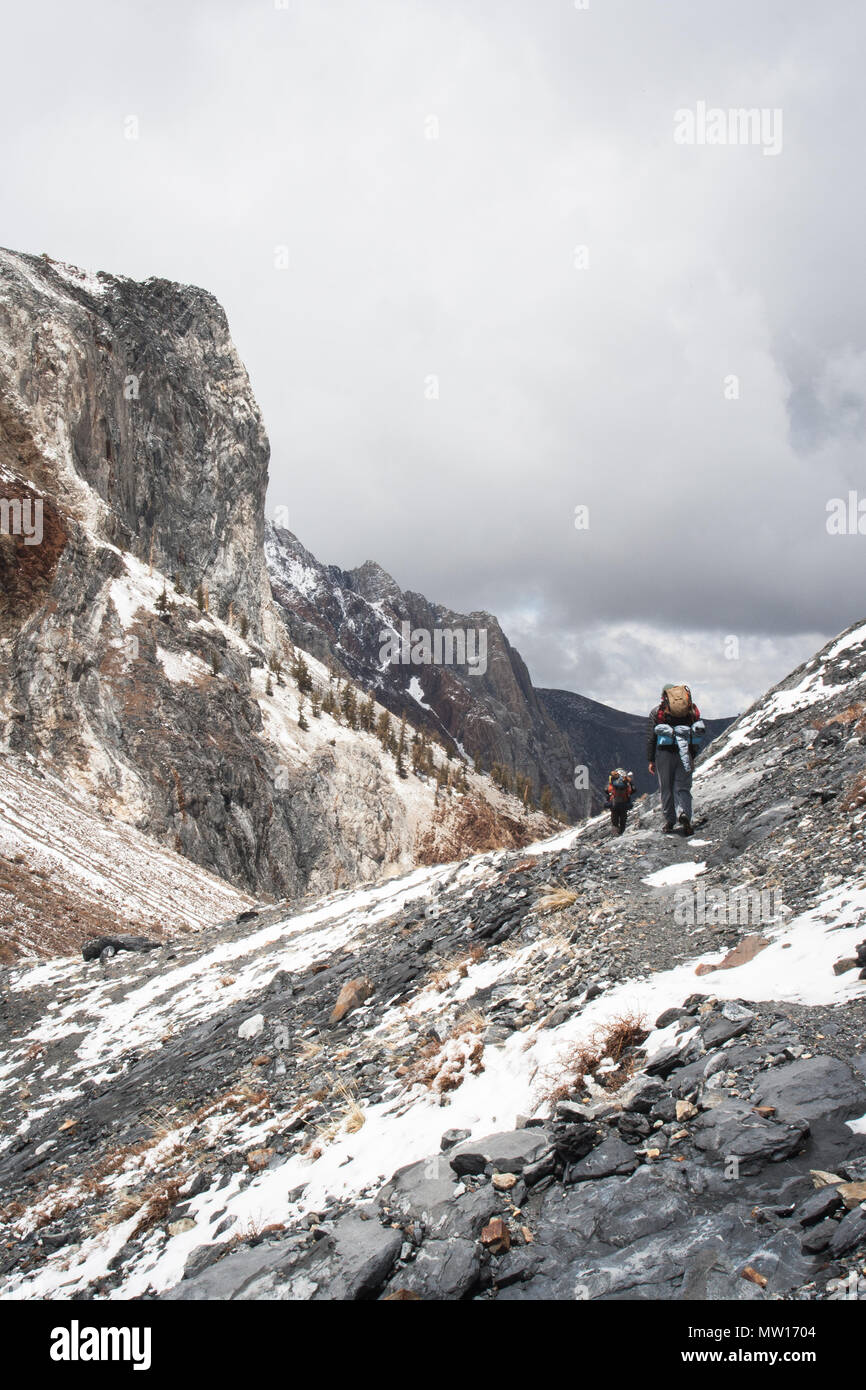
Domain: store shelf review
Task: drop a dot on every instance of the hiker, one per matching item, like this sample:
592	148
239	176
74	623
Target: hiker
620	790
675	735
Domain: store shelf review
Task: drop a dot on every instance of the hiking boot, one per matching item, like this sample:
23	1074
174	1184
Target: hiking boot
667	827
686	824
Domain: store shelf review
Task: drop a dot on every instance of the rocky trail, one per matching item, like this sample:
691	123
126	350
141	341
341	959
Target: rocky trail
577	1070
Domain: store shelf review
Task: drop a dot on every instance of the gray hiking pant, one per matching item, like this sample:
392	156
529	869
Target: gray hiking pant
675	784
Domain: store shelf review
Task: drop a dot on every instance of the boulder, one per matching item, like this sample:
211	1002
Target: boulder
443	1270
814	1087
730	1022
819	1205
106	946
610	1158
351	996
733	1131
849	1232
351	1263
507	1152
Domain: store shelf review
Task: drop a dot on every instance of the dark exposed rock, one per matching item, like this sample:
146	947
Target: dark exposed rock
850	1233
733	1131
508	1152
611	1156
717	1029
452	1137
105	946
815	1087
443	1269
822	1203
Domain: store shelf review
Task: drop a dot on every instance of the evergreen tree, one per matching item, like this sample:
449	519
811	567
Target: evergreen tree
546	801
162	605
301	673
201	598
349	706
269	685
214	664
316	704
367	714
400	753
302	718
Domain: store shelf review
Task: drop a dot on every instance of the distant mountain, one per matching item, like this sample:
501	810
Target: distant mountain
602	738
488	711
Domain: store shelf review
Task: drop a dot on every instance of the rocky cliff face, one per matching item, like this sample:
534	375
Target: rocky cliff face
490	710
136	622
127	407
599	1068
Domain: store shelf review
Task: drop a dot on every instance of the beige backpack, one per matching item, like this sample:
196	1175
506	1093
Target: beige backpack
678	699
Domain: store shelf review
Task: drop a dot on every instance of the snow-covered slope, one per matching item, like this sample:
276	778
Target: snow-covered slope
67	873
602	1036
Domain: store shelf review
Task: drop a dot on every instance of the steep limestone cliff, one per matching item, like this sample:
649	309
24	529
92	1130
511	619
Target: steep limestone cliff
137	623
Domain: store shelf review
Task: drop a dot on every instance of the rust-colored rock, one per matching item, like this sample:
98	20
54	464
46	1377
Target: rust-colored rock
496	1236
354	993
743	952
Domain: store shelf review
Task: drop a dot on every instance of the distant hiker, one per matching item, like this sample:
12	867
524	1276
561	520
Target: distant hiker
676	733
620	790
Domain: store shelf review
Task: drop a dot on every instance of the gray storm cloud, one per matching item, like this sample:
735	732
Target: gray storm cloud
478	283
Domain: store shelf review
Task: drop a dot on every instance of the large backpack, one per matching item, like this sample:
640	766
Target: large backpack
677	700
621	784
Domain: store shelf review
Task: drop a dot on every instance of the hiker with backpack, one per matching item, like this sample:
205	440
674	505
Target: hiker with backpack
675	735
619	790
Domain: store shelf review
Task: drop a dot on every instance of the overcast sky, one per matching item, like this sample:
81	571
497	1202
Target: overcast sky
432	168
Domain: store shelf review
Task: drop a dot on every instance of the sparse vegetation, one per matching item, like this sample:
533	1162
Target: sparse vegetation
617	1042
556	900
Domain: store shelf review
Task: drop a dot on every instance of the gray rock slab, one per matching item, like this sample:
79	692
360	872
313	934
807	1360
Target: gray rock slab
508	1152
815	1087
442	1269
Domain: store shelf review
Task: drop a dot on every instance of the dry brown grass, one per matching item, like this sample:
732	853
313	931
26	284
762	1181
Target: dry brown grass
616	1041
242	1099
854	712
555	899
443	1067
469	825
442	978
156	1203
